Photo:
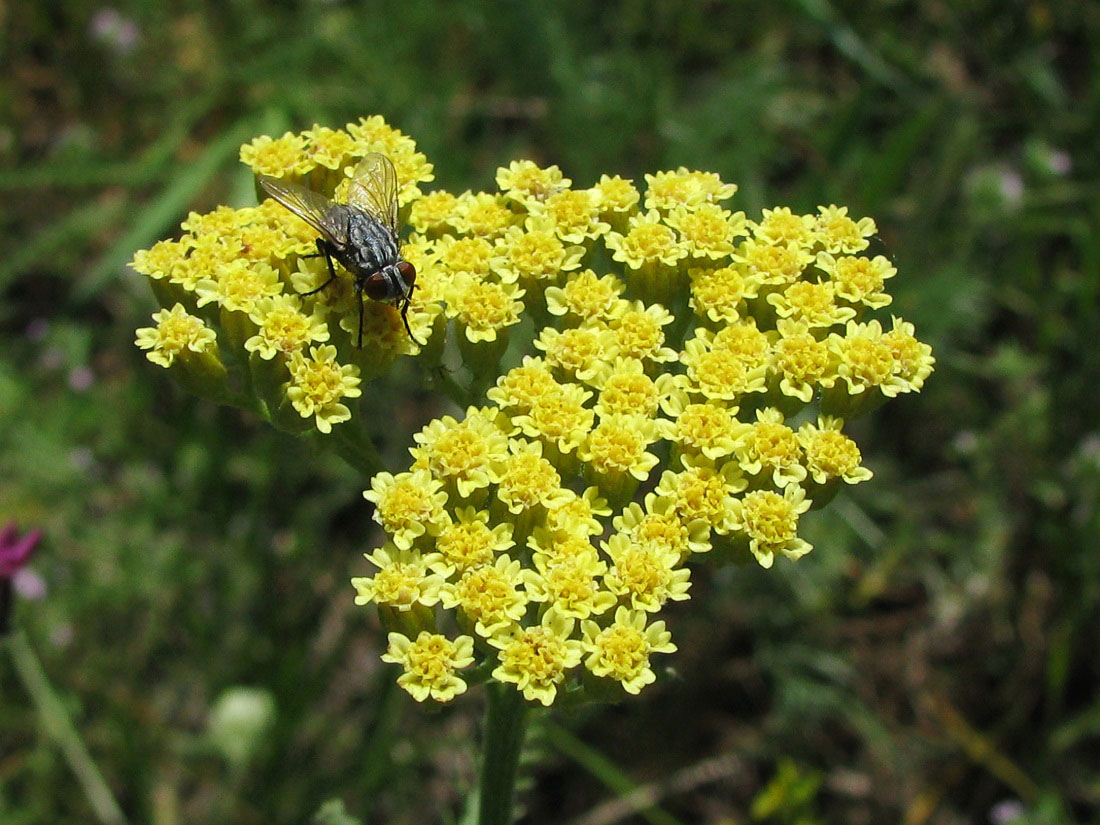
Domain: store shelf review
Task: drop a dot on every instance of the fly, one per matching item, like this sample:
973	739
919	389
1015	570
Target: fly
361	233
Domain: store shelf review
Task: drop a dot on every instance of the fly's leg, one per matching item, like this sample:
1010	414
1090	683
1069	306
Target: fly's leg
322	249
359	300
405	317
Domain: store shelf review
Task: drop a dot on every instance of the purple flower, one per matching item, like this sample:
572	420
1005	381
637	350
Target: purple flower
16	550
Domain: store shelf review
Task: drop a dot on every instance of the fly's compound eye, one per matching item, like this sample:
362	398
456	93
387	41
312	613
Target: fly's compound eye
408	274
377	288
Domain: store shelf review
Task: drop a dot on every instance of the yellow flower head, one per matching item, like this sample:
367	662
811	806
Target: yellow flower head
831	454
683	188
741	340
716	373
159	261
483	214
570	583
858	280
483	308
706	427
408	505
621	650
647	241
527	480
579	515
279	157
720	294
559	419
619	444
912	358
535	659
770	446
519	388
404	580
574	215
550	547
770	521
662	525
529	184
317	384
866	360
239	286
533	254
434	213
708	230
375	135
412	168
801	361
773	264
330	148
585	297
464	256
836	232
615	195
431	664
224	221
625	388
176	334
781	226
283	327
490	597
638	332
465	453
580	352
645	574
813	304
468	541
704	491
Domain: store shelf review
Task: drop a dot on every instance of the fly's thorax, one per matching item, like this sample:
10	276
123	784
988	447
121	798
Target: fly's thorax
371	247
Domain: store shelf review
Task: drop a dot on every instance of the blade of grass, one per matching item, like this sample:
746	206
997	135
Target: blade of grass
852	46
157	216
59	727
147	167
604	770
72	229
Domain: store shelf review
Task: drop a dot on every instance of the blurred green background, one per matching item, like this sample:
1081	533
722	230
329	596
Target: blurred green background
935	659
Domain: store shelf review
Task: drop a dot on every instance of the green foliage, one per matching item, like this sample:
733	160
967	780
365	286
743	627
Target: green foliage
933	657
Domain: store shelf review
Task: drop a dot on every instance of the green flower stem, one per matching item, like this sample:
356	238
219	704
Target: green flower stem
59	727
442	381
354	445
505	726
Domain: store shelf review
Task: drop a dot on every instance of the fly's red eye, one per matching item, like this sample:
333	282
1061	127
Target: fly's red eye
376	287
408	273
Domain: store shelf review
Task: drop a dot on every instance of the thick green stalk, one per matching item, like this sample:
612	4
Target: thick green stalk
505	726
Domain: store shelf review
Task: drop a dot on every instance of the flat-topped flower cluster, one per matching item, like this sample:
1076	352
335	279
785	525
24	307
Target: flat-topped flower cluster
676	388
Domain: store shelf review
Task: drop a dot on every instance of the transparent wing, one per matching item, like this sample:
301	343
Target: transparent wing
374	190
312	207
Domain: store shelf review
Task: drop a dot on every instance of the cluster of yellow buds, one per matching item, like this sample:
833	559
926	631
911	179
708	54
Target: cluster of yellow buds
649	377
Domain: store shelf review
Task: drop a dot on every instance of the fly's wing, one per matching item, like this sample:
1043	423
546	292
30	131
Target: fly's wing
374	190
312	207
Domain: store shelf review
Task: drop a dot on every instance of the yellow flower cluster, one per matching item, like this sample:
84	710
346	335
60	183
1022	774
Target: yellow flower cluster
238	288
648	376
650	421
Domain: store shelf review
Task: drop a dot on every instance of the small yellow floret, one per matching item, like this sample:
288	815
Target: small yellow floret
176	334
430	664
318	383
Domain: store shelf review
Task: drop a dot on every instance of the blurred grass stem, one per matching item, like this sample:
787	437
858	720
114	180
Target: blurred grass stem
59	727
